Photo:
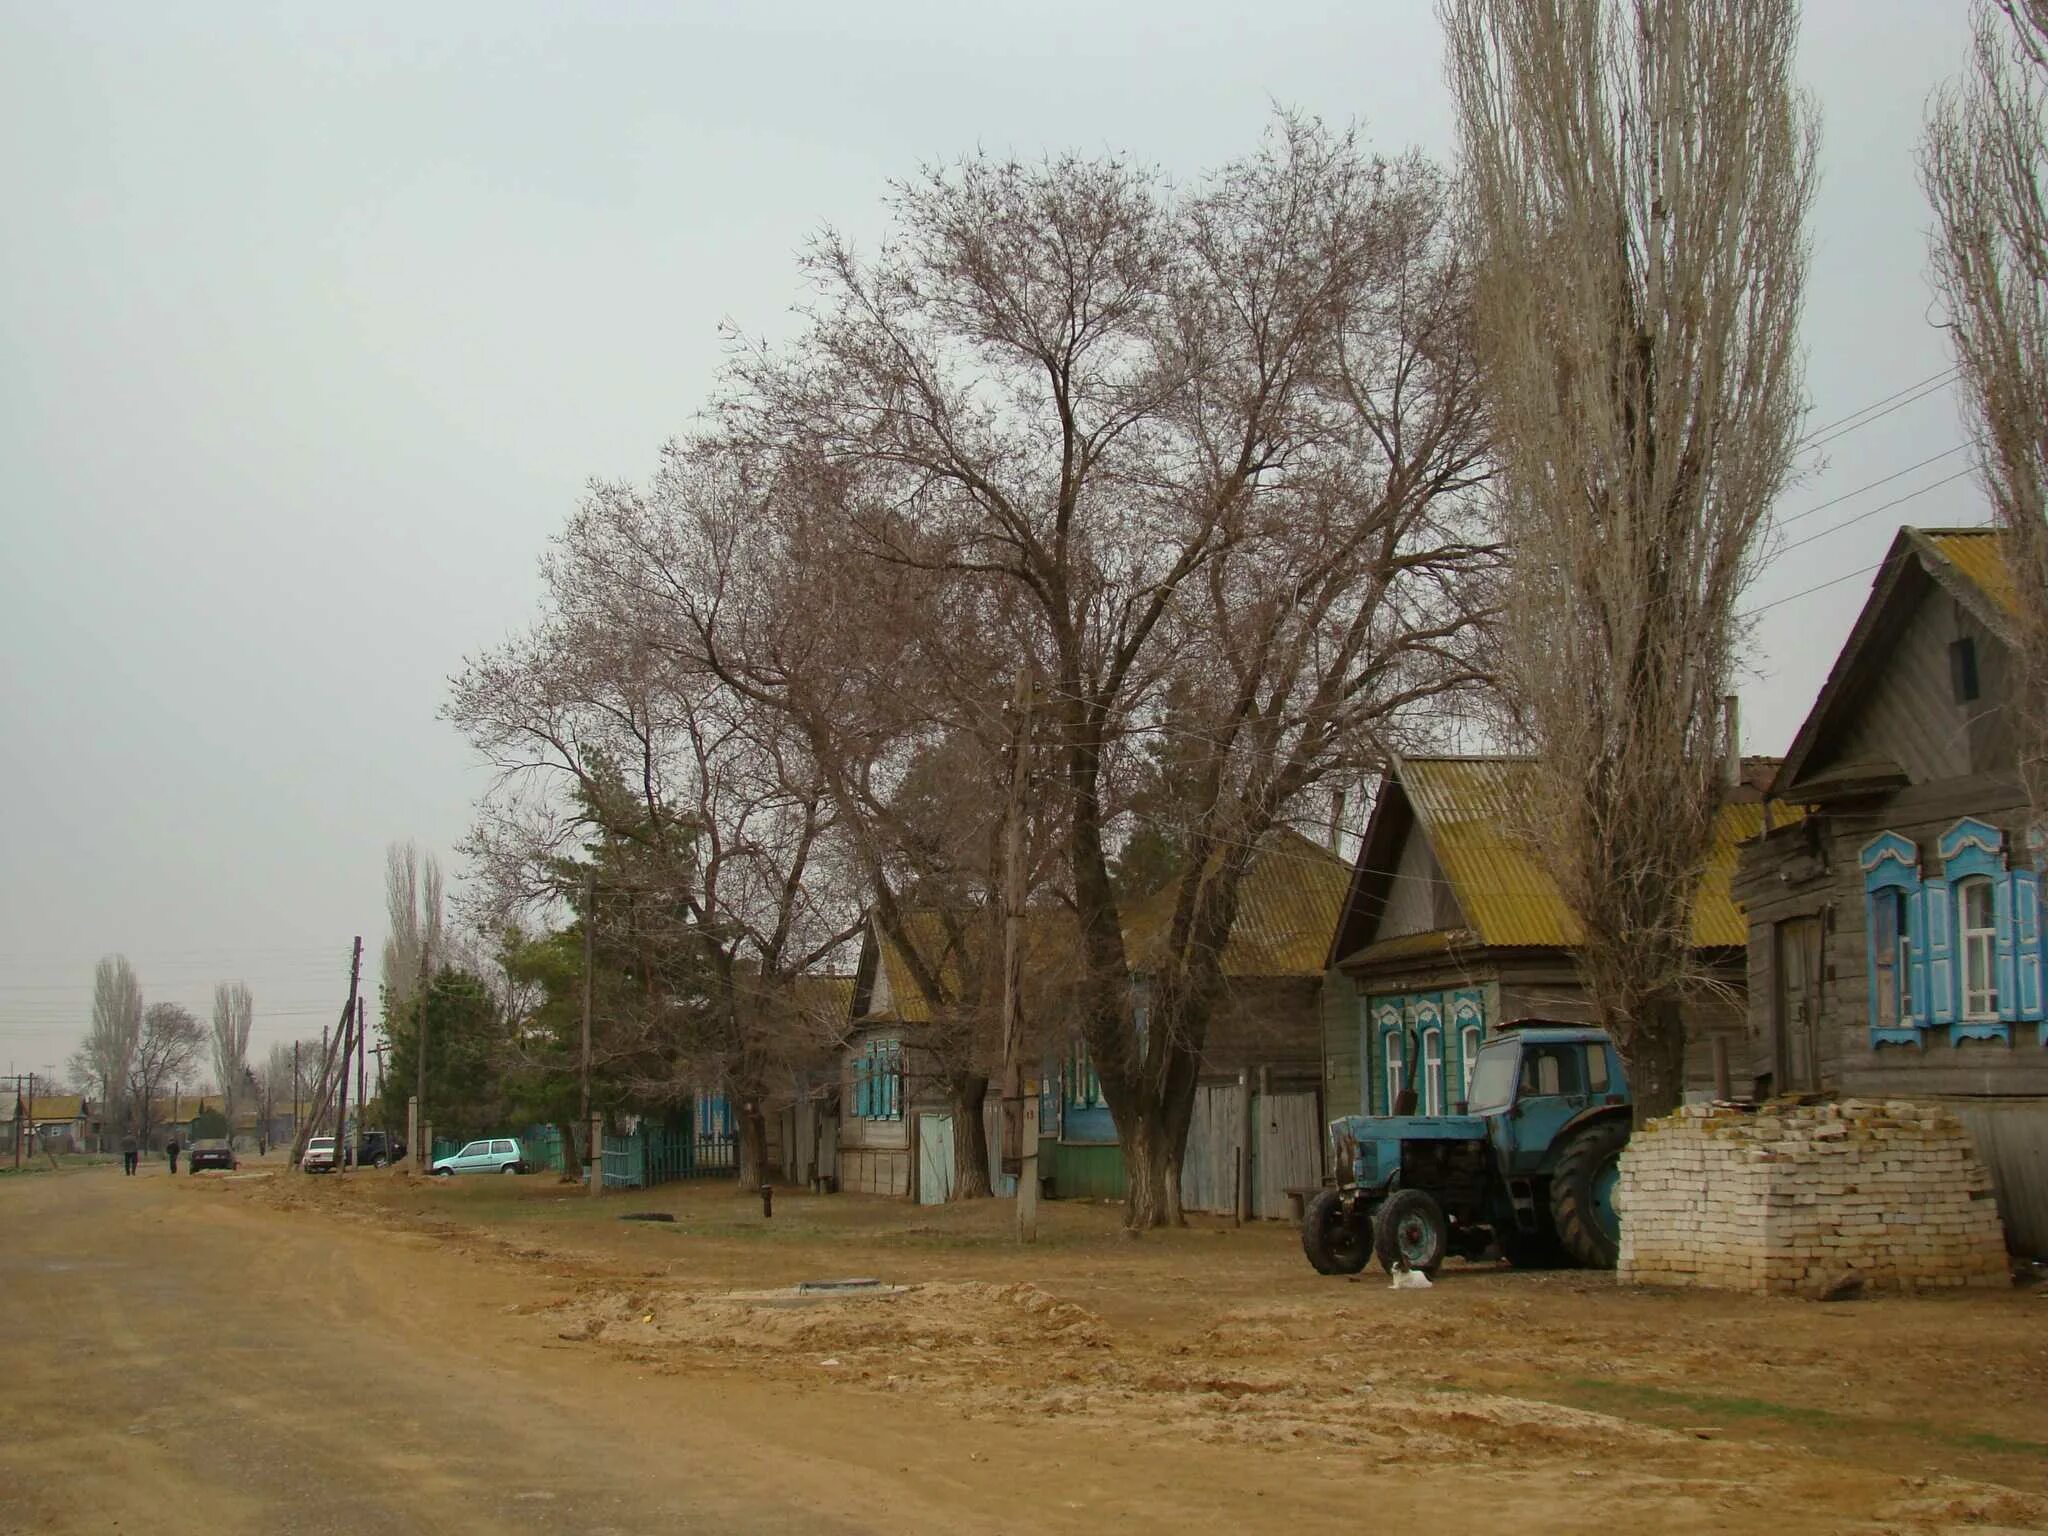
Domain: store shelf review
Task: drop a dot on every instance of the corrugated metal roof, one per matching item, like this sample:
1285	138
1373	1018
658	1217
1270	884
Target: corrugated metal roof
1978	554
1287	908
1048	942
1467	808
827	997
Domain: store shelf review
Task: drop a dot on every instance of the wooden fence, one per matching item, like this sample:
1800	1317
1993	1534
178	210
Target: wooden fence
1284	1150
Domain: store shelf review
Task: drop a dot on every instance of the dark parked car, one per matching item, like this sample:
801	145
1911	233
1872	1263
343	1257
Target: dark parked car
211	1154
379	1150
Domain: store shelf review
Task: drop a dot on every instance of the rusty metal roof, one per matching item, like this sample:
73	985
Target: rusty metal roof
1978	554
1467	808
1287	908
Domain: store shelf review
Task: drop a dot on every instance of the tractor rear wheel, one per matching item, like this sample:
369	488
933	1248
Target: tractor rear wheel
1410	1232
1582	1194
1334	1242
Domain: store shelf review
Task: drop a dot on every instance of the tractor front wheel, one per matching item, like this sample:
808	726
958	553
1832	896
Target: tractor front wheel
1582	1194
1334	1242
1410	1232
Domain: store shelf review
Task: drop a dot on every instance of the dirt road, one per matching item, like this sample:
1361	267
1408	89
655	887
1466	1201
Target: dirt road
372	1355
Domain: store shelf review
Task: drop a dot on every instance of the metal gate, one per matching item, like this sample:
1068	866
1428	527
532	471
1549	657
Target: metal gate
657	1155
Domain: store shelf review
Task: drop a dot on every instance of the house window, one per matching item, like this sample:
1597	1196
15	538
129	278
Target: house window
1977	931
1084	1088
1891	954
1433	1072
1962	670
1468	1057
878	1081
1397	1075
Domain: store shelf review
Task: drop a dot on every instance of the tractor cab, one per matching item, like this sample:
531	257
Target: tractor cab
1527	1165
1531	1083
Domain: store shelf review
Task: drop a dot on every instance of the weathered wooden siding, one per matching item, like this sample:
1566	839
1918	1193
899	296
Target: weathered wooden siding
1908	714
2012	1138
874	1171
1285	1151
1343	1086
1813	870
1208	1173
1288	1154
1420	899
1270	1023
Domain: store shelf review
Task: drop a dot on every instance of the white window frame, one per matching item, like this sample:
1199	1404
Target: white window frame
1980	1003
1393	1056
1432	1071
1470	1038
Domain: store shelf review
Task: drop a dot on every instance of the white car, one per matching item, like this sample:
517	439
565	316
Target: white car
494	1154
319	1156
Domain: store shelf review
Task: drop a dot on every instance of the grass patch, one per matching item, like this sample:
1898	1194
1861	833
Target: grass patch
1617	1395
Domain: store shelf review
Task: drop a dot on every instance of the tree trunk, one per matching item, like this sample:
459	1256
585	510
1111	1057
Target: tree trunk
970	1137
753	1143
1655	1054
572	1161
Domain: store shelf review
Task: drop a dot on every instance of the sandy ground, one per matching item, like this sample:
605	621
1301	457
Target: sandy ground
382	1354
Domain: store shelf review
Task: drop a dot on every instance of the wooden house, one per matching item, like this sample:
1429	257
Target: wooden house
1452	925
1258	1110
895	1124
1895	929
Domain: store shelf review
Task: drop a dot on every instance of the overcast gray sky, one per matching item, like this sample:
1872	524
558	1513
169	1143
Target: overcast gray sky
315	319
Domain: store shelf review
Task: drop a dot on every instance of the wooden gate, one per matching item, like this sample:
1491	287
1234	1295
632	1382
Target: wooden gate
1286	1150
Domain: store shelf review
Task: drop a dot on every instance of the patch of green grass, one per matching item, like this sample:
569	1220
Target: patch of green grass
1709	1405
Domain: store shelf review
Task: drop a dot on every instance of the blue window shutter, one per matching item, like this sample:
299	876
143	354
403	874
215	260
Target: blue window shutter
1916	932
1939	907
2026	909
2002	905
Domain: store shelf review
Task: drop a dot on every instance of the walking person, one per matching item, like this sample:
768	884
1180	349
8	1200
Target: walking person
171	1150
129	1155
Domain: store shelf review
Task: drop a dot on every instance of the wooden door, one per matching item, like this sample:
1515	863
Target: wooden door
1797	1009
934	1159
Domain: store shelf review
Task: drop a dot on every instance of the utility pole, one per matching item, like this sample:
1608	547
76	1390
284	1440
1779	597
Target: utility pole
349	1015
362	1078
422	1153
31	1118
1013	959
589	945
298	1094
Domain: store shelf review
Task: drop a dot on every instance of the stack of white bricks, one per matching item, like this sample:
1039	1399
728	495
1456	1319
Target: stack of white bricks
1809	1199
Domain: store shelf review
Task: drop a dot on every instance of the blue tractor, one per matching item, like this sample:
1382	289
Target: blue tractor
1528	1164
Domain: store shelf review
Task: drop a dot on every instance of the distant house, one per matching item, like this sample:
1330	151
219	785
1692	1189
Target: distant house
52	1123
1258	1111
1895	931
804	1117
895	1131
1452	925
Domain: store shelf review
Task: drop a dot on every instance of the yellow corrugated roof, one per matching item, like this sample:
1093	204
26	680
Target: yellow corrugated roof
1979	555
47	1106
1466	807
1287	908
1048	941
825	996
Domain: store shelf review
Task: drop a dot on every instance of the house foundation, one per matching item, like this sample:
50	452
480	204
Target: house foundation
1809	1200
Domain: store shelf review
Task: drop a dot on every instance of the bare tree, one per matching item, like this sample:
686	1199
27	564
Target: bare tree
1983	164
1640	174
715	880
163	1058
413	910
102	1063
1212	448
234	1013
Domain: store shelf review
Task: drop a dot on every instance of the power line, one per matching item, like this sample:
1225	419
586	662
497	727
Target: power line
1833	501
1856	421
